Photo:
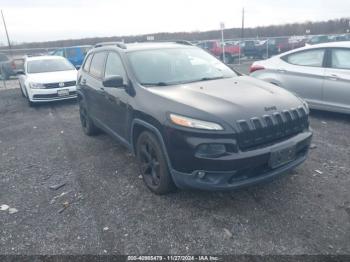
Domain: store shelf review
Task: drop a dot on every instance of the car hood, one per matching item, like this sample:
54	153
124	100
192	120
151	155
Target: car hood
232	98
53	77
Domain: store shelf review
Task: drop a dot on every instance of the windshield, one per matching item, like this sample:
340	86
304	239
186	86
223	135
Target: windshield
176	66
48	65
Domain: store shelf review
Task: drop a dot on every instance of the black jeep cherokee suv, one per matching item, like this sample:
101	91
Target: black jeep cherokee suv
191	121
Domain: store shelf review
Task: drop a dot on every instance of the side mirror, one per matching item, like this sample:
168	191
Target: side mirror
113	81
77	67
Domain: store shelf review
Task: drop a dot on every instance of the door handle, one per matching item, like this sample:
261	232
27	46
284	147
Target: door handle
333	77
281	70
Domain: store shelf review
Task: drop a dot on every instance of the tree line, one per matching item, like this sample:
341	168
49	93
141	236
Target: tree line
334	26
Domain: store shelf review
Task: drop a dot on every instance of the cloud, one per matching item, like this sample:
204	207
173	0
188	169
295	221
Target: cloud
42	20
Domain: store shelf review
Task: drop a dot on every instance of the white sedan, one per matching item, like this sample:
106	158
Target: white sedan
319	73
47	78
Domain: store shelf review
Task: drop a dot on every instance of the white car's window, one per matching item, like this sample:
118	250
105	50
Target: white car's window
307	58
341	58
59	52
48	65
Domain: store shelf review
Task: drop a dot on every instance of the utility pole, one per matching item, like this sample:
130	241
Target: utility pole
7	34
222	27
242	30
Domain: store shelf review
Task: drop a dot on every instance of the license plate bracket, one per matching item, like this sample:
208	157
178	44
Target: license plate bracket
282	156
63	92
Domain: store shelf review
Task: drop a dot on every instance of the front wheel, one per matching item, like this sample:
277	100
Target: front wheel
20	87
30	103
153	165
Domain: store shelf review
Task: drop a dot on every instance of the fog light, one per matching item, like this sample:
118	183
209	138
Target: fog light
210	150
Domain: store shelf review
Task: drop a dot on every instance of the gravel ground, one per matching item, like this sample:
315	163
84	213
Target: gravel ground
109	209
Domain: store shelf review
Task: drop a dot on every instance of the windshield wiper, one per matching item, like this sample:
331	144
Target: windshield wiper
204	79
155	84
211	78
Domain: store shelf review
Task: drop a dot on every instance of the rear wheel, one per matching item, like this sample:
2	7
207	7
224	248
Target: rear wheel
153	165
87	124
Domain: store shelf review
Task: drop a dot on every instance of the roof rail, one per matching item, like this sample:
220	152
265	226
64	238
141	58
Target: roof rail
118	44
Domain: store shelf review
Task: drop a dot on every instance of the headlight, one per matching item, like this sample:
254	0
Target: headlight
36	86
194	123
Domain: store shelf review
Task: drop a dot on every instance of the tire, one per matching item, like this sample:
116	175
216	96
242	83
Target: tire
152	164
20	87
87	124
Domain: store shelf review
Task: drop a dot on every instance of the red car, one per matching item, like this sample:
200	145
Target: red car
231	51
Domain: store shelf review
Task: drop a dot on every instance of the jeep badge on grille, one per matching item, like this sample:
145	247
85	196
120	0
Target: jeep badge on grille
61	84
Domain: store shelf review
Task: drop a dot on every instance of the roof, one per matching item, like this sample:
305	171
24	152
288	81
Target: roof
149	45
334	44
345	44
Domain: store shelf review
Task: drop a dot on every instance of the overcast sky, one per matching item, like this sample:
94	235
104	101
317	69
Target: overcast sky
42	20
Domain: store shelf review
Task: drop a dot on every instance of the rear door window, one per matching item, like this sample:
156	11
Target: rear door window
97	64
340	58
312	58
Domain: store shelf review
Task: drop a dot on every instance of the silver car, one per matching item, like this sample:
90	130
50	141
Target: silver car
319	73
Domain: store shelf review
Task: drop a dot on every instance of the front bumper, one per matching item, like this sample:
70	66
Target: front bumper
48	95
237	169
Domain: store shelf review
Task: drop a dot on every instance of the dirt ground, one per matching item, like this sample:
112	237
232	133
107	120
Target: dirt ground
104	207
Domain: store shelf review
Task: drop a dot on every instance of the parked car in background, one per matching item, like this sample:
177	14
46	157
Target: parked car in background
338	38
318	39
47	78
318	73
9	67
191	121
258	49
75	54
229	51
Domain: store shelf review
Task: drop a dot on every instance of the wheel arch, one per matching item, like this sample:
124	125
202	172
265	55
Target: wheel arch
138	126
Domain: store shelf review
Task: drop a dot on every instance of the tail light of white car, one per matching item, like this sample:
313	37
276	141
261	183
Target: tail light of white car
254	68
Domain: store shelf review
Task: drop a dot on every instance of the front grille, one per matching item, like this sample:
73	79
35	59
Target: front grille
261	131
57	85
